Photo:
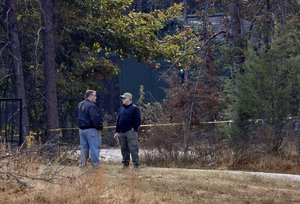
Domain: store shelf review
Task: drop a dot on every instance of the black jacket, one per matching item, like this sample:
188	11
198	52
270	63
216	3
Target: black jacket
88	115
129	117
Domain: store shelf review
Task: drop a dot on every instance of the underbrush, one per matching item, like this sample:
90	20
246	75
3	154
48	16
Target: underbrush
63	189
33	174
28	177
266	163
225	158
209	147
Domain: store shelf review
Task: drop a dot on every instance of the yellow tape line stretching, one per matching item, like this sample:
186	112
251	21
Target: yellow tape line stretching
165	124
148	125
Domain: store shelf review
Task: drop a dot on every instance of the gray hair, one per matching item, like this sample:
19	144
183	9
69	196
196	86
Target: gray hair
89	92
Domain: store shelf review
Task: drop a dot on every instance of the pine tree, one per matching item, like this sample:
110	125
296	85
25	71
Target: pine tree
267	90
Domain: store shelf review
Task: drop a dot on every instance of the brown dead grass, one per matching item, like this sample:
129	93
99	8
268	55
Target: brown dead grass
110	184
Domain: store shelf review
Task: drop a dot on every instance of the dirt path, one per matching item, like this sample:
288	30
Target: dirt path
174	185
111	184
291	177
114	155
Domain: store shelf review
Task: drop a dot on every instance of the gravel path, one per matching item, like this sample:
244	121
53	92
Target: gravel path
258	174
111	155
114	155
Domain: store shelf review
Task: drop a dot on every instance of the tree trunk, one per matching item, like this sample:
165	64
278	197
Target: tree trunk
235	22
268	26
283	9
47	15
17	61
235	33
185	17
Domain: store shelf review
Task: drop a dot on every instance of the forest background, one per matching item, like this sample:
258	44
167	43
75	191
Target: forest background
52	51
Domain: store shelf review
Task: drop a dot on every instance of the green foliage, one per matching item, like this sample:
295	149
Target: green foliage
268	89
107	24
90	36
95	33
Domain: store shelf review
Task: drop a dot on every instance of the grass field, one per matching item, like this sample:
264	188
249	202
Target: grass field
111	184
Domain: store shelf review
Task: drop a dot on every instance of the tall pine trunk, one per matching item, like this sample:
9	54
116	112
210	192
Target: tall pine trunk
235	31
235	21
185	15
268	26
17	60
283	11
47	16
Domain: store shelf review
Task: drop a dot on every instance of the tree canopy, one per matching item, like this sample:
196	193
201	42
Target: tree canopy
240	58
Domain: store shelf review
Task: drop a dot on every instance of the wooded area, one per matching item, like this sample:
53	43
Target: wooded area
244	67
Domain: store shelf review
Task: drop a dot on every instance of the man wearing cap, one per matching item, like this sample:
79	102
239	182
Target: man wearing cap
89	121
128	122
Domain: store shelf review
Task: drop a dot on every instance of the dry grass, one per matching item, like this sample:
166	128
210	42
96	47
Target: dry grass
110	184
25	178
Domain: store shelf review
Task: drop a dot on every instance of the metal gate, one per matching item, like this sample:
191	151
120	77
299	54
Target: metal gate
11	121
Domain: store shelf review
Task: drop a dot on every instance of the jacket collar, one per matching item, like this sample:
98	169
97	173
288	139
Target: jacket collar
127	106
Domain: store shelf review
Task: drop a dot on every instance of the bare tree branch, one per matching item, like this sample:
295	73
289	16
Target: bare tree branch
14	164
8	75
192	53
1	51
36	48
7	44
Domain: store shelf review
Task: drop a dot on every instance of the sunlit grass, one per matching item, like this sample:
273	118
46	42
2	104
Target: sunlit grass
27	178
110	184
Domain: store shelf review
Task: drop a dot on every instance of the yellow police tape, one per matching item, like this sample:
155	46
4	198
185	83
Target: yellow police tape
167	124
148	125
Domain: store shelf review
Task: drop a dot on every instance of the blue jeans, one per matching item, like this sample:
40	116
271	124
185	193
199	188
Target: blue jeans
90	142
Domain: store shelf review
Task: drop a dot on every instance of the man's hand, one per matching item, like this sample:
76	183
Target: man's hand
116	136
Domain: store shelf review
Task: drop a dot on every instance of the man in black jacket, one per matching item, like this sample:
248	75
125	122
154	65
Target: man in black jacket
89	121
128	122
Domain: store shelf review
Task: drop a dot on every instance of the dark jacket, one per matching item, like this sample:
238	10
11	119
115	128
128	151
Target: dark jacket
88	115
129	117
